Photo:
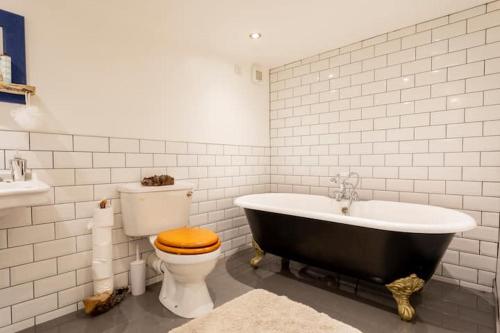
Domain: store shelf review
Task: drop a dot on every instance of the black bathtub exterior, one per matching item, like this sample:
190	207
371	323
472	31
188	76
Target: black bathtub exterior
371	254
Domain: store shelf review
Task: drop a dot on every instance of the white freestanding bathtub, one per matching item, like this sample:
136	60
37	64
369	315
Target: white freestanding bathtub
382	215
393	243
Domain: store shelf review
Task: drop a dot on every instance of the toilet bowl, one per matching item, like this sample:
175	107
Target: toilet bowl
184	291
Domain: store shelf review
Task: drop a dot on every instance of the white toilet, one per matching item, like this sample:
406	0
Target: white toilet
185	256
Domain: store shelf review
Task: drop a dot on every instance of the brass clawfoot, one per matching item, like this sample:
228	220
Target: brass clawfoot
401	290
259	254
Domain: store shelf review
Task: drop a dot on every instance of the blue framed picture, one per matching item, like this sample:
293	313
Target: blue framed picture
14	46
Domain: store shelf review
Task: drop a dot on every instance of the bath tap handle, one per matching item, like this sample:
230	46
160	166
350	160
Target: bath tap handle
335	179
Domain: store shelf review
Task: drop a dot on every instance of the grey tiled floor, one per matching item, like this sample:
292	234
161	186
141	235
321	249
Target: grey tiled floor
440	307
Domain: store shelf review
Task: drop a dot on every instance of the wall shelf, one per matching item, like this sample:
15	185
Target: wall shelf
17	89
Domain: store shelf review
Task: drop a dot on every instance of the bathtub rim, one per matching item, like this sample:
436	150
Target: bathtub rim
466	223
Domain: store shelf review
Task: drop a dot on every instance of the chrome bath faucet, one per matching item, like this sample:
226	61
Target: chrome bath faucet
347	189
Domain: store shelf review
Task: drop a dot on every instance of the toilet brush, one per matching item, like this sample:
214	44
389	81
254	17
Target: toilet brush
138	273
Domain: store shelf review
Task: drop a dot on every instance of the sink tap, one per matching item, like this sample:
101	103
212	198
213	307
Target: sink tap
18	169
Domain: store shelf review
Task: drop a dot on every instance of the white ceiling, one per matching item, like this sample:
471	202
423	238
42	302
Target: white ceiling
292	29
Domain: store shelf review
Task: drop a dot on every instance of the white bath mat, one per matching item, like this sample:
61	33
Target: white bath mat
260	311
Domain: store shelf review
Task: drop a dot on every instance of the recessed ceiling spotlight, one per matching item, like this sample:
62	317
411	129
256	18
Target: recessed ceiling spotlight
255	35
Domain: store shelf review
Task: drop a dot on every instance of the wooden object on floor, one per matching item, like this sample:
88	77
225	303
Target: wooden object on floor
103	302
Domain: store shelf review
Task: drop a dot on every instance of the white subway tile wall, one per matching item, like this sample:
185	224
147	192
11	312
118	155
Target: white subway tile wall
416	112
45	251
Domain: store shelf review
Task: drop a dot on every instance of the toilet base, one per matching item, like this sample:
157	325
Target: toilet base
187	300
184	291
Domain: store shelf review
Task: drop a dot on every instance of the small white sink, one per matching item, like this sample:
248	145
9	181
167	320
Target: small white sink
26	193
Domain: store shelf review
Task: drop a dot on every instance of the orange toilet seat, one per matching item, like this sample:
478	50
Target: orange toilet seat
180	250
188	241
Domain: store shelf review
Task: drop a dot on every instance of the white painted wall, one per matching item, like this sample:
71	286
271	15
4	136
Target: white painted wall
116	68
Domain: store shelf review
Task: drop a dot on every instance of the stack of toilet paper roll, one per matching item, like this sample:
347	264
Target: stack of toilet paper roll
102	255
